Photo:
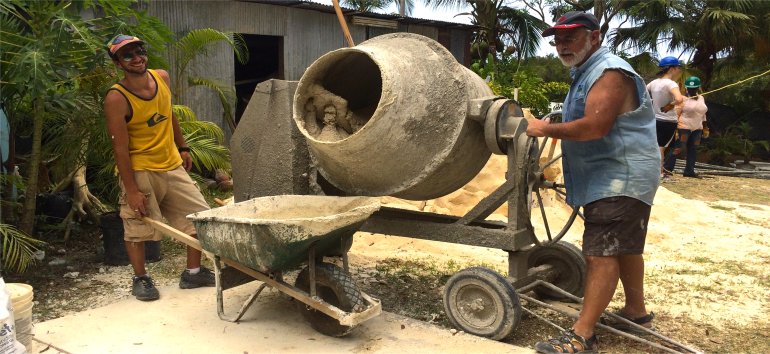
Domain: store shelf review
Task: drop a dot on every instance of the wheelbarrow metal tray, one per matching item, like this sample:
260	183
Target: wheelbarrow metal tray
275	233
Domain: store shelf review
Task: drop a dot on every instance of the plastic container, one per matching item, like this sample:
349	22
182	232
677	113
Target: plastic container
21	301
114	246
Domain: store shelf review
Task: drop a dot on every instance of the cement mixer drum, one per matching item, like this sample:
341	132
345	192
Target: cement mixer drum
389	117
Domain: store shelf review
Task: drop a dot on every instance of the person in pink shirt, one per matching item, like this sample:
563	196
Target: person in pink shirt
692	120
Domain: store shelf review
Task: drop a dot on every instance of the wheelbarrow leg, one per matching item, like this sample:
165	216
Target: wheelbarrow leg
220	297
311	267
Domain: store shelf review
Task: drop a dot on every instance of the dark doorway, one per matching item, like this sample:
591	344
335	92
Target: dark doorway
265	62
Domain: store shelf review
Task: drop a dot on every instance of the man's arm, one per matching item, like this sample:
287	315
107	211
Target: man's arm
612	95
115	110
178	137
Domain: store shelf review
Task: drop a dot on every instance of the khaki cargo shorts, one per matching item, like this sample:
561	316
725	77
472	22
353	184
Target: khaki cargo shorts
171	195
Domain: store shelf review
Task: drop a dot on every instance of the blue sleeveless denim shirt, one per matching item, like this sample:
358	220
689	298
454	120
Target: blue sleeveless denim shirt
626	161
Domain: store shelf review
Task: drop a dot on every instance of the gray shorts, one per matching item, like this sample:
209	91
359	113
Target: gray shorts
615	226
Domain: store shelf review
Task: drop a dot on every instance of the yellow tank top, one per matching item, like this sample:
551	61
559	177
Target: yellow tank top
150	130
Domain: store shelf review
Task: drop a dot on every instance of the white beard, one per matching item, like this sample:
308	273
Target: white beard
576	58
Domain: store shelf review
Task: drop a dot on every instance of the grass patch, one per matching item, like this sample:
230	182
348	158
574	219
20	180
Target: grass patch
721	207
701	260
413	288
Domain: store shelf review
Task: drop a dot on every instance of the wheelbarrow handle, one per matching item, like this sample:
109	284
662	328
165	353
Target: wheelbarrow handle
176	234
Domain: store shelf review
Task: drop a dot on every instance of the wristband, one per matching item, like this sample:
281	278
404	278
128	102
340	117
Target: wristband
184	149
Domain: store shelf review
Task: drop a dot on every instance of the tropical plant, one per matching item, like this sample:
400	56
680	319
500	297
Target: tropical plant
710	29
46	49
502	29
196	43
720	147
18	249
746	147
54	71
528	89
373	5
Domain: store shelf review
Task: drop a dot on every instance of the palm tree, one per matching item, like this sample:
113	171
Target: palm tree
405	6
501	27
54	71
45	48
190	46
710	29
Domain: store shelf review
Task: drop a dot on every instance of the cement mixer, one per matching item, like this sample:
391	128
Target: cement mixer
397	115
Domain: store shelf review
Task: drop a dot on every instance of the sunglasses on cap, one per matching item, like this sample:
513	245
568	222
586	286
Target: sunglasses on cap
120	38
121	41
129	56
566	40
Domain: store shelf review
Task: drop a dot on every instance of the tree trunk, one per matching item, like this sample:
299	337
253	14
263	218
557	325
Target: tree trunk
27	223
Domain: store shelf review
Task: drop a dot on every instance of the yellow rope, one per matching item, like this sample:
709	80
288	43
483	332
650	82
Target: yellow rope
735	83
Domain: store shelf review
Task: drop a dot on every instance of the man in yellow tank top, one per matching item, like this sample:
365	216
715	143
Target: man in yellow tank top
152	159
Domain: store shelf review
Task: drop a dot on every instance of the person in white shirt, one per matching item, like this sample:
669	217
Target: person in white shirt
665	95
692	120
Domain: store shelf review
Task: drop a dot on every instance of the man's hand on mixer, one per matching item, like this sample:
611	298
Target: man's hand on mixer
536	127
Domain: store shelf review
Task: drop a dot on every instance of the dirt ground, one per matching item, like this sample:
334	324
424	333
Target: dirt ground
707	278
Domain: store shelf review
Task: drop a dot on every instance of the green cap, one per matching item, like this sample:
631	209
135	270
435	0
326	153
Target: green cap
692	82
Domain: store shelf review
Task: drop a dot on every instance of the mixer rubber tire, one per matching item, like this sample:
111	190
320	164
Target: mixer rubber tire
482	302
570	266
334	286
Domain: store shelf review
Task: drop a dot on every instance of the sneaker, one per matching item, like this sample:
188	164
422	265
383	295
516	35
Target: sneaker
191	281
144	289
694	175
569	342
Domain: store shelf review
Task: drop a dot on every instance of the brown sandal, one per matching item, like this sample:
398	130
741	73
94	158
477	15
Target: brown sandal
567	343
644	321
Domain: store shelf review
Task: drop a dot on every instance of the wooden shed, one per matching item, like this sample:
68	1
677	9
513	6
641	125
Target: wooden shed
284	37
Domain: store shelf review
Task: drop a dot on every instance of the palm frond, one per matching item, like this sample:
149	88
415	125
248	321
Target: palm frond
203	129
447	4
196	42
208	154
17	248
224	92
183	113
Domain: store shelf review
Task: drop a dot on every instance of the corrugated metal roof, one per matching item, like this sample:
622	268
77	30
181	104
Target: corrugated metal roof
310	5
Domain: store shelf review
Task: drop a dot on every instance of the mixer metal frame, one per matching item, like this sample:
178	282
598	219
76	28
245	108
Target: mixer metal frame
491	308
517	236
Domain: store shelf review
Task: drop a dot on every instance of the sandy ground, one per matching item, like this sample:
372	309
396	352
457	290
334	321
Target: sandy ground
185	321
705	260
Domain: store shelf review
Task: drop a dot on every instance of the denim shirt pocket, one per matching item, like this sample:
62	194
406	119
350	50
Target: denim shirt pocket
577	102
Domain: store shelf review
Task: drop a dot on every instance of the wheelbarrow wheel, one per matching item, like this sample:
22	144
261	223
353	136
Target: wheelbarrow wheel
569	265
334	286
482	302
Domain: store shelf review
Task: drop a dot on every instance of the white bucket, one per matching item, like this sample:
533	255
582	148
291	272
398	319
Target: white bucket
21	300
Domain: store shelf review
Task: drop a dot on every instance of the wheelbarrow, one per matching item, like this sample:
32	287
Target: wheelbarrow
263	237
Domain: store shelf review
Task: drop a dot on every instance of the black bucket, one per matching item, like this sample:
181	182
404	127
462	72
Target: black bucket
114	247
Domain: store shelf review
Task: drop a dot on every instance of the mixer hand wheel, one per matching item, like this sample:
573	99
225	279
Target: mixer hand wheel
542	177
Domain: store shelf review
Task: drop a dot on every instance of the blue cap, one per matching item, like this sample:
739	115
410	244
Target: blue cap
669	61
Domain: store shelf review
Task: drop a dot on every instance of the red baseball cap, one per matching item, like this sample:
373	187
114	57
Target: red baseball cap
573	19
121	41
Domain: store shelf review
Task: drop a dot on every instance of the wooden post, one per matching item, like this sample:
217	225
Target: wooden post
343	24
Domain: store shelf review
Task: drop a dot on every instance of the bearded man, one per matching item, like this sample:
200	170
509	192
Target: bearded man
611	164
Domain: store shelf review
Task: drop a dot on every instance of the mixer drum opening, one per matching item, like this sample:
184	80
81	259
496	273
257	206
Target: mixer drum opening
340	100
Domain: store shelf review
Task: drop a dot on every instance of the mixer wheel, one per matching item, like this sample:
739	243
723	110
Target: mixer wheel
334	286
482	302
569	263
